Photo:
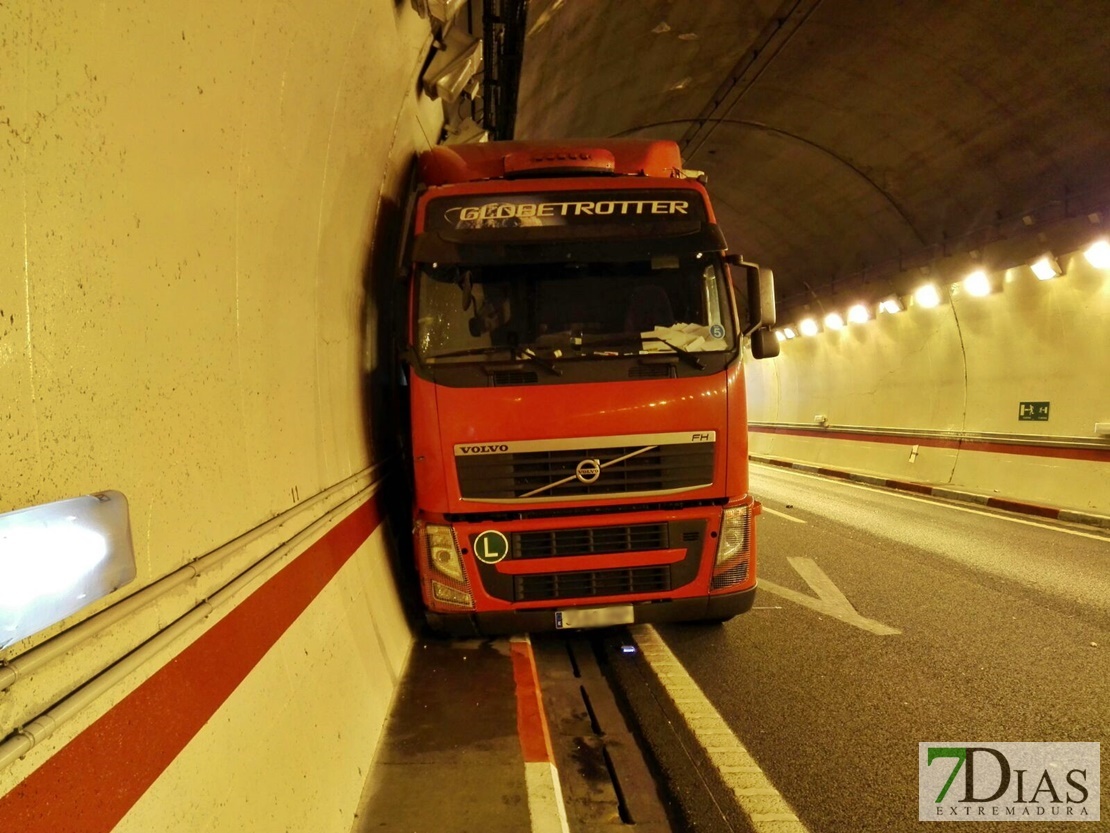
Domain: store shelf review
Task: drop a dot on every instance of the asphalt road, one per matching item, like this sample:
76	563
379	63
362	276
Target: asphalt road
985	627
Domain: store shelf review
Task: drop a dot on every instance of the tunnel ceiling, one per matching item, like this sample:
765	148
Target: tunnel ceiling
842	140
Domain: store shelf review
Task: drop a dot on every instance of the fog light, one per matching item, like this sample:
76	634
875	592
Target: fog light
450	595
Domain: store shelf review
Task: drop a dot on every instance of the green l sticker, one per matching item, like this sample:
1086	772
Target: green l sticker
491	546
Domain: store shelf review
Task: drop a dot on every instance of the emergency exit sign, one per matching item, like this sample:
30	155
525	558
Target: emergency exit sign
1033	412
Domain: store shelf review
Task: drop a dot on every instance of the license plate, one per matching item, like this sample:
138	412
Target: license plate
594	617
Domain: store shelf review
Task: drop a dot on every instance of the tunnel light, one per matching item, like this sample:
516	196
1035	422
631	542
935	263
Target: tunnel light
1046	268
809	327
834	321
858	314
891	304
58	558
779	336
978	283
1098	254
926	296
789	332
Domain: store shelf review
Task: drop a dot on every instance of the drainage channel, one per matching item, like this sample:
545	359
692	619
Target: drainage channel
608	785
695	791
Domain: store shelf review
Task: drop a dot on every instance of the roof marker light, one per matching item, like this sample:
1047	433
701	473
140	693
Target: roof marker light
927	296
809	327
1046	268
1098	254
858	314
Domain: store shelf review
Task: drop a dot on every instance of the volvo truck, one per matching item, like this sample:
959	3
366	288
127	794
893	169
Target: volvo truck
574	361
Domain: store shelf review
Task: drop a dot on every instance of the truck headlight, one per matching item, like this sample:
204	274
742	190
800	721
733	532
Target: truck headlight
446	585
733	548
442	553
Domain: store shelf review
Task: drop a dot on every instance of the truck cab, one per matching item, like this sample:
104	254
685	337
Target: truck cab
578	426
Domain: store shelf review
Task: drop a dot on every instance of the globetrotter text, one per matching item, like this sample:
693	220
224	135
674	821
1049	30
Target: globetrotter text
597	208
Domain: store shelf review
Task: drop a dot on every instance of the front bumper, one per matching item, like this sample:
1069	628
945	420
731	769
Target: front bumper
705	609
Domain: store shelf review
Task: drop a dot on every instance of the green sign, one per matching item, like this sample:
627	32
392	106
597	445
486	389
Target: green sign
1033	412
491	546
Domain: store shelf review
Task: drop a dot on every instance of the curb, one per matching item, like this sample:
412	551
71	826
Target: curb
1006	504
546	806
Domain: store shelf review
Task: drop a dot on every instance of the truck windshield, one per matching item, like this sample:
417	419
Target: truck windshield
671	303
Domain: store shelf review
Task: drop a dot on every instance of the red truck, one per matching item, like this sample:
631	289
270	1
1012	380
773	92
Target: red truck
576	391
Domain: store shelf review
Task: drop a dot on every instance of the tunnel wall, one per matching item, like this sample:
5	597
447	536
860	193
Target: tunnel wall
932	395
200	202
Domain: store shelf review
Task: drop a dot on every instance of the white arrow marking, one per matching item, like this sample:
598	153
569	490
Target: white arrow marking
830	601
778	514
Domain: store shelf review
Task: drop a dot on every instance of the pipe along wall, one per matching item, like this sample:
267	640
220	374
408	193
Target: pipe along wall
200	206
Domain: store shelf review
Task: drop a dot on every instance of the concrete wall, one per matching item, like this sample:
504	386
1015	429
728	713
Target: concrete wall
198	206
947	382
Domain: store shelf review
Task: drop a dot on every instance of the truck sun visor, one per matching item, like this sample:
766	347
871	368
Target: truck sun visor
558	227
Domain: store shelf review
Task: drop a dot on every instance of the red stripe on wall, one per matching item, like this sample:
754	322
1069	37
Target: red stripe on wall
92	782
531	725
1098	455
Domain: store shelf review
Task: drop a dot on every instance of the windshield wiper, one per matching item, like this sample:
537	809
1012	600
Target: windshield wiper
527	353
686	356
471	351
516	352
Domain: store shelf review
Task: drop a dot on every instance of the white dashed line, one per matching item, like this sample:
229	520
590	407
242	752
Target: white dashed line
778	514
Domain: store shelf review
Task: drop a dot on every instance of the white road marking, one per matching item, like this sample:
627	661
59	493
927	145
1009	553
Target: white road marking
546	807
778	514
933	502
761	802
830	601
545	798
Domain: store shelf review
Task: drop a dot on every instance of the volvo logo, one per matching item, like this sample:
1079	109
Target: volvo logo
484	449
588	471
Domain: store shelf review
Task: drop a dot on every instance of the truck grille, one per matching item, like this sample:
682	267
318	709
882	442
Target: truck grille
589	541
591	583
547	475
688	534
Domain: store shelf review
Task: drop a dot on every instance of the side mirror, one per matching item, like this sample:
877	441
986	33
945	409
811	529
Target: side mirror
755	291
764	344
761	298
